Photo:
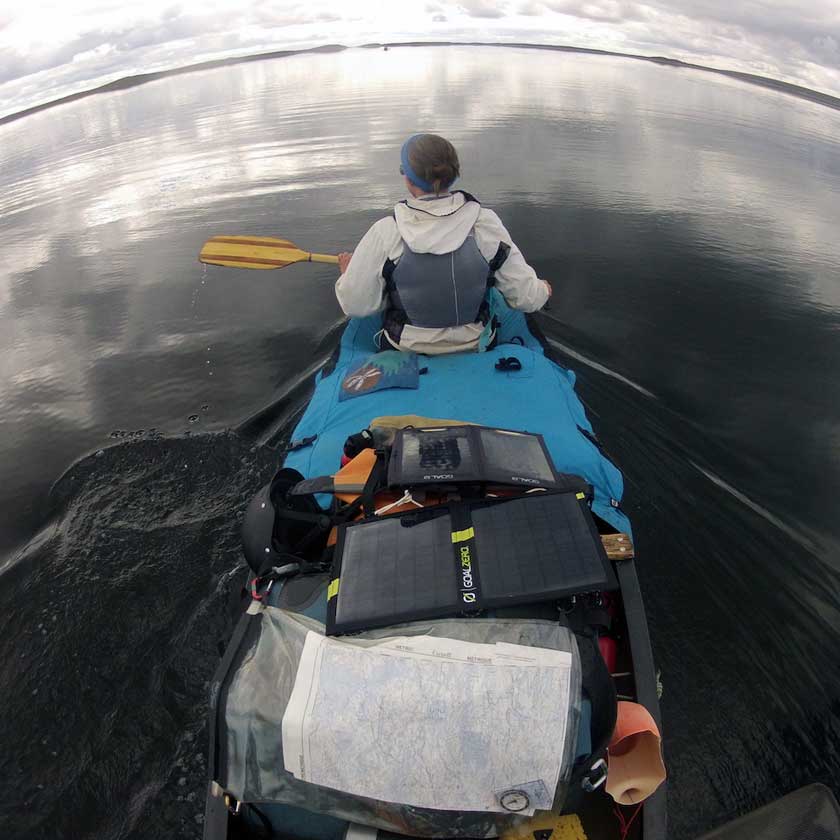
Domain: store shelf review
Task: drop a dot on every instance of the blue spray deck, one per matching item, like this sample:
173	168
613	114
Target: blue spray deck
538	398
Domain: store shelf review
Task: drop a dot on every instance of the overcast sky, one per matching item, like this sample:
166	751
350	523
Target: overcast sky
49	49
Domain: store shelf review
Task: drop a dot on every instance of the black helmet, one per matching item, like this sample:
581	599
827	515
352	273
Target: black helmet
268	538
258	532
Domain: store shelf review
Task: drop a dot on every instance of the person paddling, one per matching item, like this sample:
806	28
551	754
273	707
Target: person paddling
430	266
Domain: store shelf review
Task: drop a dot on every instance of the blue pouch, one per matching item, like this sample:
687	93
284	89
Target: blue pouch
388	369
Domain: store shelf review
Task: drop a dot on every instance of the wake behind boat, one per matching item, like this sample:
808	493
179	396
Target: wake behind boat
445	635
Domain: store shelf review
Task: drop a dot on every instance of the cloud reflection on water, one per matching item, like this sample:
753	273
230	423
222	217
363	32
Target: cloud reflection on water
688	223
119	190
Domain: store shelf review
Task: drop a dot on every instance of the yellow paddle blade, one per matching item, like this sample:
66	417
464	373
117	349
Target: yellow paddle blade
260	252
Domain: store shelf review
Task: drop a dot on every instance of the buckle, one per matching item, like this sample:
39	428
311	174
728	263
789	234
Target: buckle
592	782
508	363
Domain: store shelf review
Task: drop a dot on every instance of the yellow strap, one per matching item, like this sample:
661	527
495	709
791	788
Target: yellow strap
332	589
579	496
463	536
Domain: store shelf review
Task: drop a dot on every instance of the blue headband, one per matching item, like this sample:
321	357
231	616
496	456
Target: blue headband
408	171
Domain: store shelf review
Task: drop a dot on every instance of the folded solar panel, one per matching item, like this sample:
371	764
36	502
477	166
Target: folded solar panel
469	454
464	558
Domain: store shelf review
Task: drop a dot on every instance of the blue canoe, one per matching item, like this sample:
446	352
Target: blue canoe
537	396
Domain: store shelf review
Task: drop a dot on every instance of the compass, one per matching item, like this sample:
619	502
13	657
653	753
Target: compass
514	800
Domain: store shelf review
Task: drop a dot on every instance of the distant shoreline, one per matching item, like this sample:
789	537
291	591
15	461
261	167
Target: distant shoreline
788	88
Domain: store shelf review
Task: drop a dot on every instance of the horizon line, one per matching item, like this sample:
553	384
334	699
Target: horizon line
137	79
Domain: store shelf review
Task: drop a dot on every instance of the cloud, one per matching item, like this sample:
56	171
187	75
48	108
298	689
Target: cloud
483	8
103	32
51	50
782	32
610	11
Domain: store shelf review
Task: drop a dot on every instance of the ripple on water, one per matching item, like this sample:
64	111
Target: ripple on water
106	672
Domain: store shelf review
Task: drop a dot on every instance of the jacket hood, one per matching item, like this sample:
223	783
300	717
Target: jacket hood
436	225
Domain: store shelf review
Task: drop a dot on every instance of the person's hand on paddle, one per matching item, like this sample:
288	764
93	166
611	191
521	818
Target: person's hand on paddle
344	261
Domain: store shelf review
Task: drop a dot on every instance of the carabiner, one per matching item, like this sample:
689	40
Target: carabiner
587	782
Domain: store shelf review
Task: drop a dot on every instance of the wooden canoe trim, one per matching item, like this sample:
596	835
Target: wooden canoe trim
618	546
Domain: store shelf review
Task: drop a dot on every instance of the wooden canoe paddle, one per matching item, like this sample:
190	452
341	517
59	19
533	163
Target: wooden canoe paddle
262	252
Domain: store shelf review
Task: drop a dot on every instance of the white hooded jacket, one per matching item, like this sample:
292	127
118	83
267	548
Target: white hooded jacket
436	225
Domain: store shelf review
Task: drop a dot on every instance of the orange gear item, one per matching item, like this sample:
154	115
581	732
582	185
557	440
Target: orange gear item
350	480
634	756
353	476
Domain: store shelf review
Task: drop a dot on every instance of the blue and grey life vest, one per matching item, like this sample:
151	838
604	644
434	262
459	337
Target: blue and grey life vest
439	290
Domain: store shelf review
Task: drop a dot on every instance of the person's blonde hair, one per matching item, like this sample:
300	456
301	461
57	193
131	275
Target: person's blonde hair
434	159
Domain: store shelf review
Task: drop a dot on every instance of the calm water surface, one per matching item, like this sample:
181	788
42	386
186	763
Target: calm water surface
689	226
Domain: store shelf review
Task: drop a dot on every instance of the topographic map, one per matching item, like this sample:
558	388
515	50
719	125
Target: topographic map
430	722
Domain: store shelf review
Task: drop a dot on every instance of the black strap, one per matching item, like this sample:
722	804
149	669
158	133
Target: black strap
300	444
322	520
600	687
467	196
375	481
502	253
388	275
310	486
365	501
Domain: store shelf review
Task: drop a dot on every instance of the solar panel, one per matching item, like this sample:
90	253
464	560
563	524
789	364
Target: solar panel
535	547
515	457
463	558
421	456
399	565
469	454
